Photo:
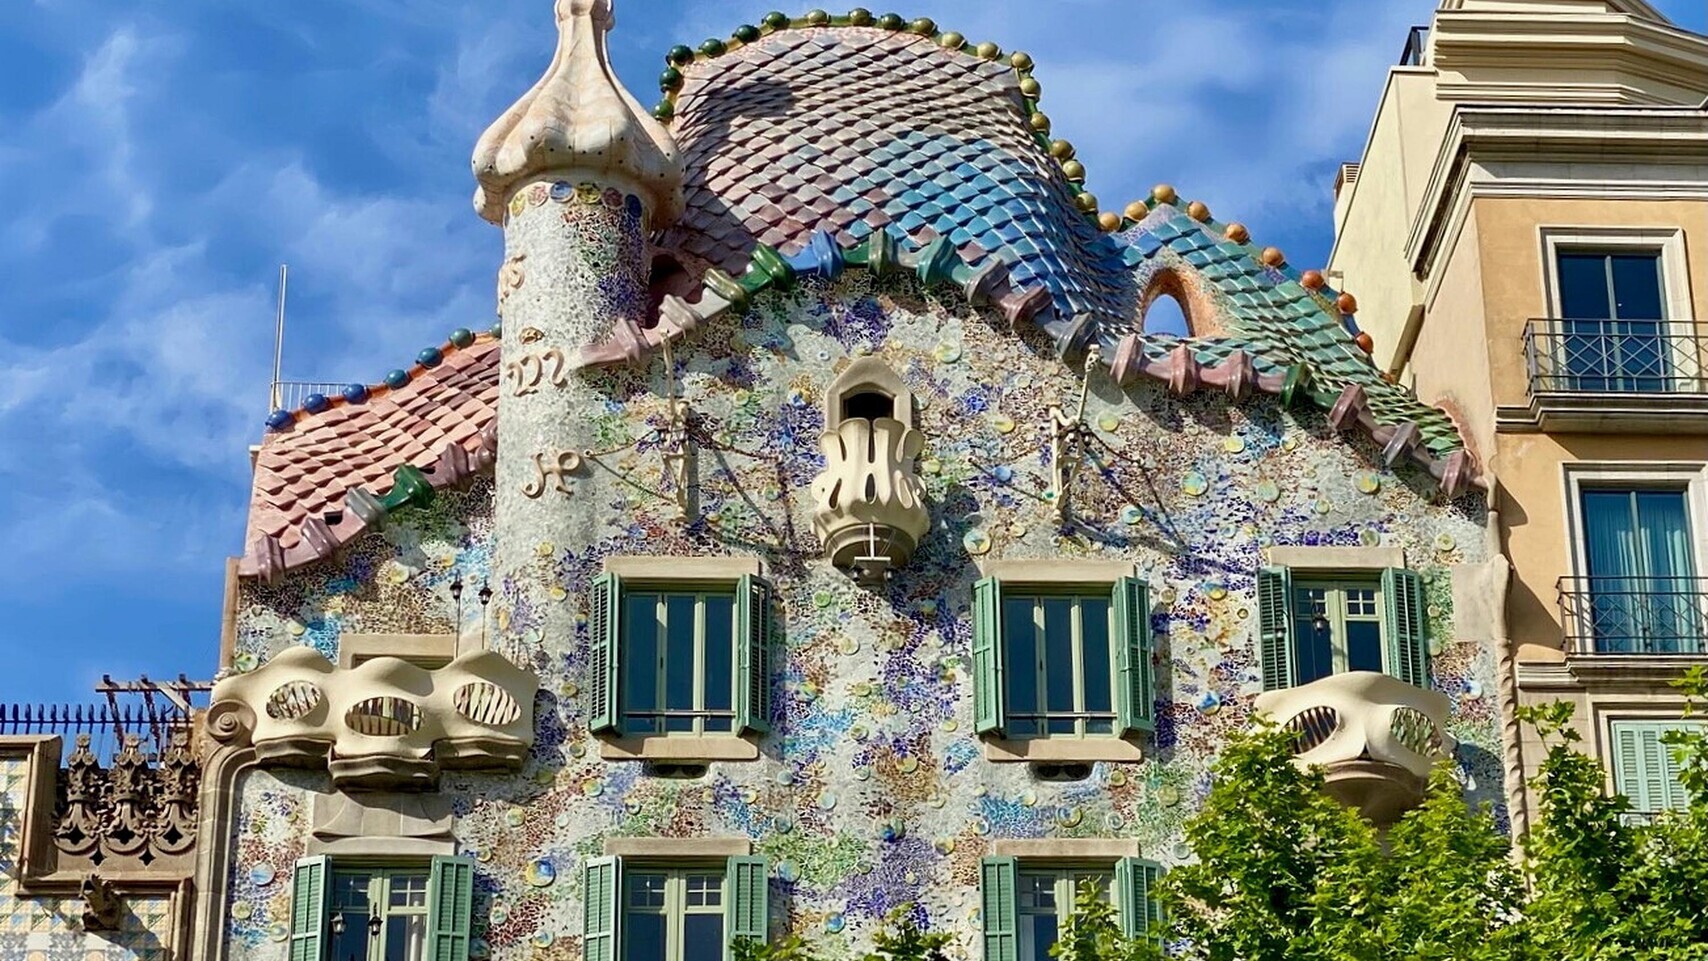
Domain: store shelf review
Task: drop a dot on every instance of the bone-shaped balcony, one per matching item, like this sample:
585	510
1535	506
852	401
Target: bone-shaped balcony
869	506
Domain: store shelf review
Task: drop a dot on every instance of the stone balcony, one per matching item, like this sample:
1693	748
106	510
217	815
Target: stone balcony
1375	737
384	724
869	505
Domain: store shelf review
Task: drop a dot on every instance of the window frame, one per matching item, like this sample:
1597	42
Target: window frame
699	714
745	896
675	908
1401	595
1080	716
447	911
380	877
1132	890
1336	588
1066	879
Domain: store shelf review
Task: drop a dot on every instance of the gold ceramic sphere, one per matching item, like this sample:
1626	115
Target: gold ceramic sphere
1137	210
1347	303
1087	202
818	18
987	51
1061	150
1040	122
1198	211
1109	221
1273	257
1075	171
1237	233
1164	194
1031	89
1312	280
952	40
1020	60
861	17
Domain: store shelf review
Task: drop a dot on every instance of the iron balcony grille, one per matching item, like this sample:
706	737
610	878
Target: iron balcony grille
1613	357
1635	615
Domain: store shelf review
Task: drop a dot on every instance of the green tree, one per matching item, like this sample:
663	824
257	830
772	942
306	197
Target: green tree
1093	931
901	939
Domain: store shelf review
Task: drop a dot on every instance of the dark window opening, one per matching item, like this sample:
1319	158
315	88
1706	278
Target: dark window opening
868	405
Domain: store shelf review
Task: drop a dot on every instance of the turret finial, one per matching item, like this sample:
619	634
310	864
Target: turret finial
578	118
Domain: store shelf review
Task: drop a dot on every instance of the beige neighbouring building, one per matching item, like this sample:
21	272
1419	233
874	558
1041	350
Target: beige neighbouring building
1527	233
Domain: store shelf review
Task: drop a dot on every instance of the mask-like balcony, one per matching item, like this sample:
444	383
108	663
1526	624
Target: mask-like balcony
869	505
383	724
1612	375
1375	737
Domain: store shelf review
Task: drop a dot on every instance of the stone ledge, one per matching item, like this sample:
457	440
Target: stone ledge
644	568
677	849
675	747
1046	570
1336	558
1062	750
1066	849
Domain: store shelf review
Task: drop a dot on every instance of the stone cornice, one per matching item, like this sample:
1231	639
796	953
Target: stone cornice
1514	43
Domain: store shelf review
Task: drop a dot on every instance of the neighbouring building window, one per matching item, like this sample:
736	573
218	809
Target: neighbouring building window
1612	307
680	658
1312	628
659	912
1062	663
1644	767
1025	907
1640	595
395	913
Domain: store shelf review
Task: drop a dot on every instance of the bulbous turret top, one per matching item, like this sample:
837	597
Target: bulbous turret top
579	118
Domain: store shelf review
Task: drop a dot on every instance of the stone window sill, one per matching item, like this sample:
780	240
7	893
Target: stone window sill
1061	750
678	748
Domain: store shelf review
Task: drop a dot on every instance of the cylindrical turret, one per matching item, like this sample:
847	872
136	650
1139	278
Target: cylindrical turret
579	175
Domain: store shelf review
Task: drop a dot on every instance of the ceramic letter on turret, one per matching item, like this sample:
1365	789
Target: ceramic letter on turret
579	175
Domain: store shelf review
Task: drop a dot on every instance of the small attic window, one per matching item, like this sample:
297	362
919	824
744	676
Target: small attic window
1166	316
868	405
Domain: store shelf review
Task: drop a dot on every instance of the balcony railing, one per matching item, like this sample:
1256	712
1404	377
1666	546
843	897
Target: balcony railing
290	394
1613	357
1417	46
1635	615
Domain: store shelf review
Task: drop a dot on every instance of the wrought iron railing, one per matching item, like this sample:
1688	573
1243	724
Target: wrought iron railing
290	394
1635	615
1417	46
107	725
1613	357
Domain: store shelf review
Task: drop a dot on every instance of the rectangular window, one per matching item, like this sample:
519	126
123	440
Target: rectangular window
1645	770
1310	629
362	913
1612	308
1062	663
680	658
671	912
1640	595
1045	902
1025	911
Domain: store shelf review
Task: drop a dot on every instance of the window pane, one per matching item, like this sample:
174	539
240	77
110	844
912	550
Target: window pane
1020	661
1583	286
1037	933
1038	892
1364	646
640	660
703	937
1637	286
720	652
408	890
352	945
1058	662
406	937
351	891
679	659
643	936
705	890
1314	632
1094	648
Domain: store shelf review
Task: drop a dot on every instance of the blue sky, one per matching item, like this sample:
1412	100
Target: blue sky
160	158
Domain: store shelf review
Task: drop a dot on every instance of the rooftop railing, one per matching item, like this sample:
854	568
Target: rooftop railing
290	394
1417	47
1635	615
106	725
1613	357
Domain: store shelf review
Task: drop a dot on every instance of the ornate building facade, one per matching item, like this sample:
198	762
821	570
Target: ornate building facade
819	534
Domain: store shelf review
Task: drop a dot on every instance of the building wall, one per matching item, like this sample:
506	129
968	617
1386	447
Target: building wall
873	792
1449	365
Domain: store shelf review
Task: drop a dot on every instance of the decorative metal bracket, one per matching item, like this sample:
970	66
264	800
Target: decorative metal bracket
1067	441
677	445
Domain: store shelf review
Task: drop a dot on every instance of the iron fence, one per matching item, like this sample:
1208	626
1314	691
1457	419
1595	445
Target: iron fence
290	394
1417	46
106	724
1613	357
1635	615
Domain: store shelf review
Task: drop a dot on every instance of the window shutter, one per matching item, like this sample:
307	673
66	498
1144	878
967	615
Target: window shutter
1275	627
748	914
1135	694
450	903
604	628
1136	888
753	632
1408	626
308	909
1644	769
601	897
987	657
997	892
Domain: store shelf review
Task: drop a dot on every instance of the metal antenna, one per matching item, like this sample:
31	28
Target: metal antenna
275	399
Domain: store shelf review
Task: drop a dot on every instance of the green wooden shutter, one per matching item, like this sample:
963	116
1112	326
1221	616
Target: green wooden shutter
604	631
998	892
601	901
450	905
1135	681
753	634
1644	769
1275	627
1407	626
748	911
1136	894
308	909
988	696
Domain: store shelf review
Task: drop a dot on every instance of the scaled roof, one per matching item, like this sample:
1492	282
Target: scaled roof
816	144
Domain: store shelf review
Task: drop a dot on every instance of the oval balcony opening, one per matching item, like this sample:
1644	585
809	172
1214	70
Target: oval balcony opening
384	717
